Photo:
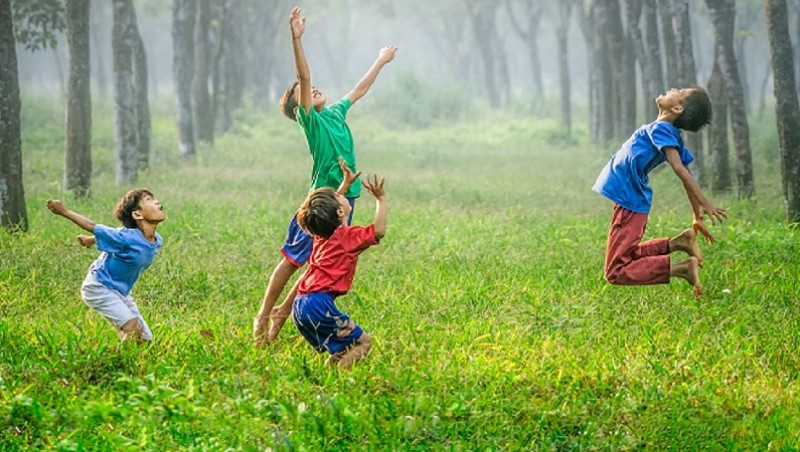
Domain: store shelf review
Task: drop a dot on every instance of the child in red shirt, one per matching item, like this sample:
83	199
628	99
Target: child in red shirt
330	272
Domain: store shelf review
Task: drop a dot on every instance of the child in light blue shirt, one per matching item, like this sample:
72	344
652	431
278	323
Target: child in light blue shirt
126	252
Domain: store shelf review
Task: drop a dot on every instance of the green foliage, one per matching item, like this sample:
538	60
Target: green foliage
416	101
493	326
37	23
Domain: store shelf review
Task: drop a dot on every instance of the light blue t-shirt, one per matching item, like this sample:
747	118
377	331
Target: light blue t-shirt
329	138
126	254
624	179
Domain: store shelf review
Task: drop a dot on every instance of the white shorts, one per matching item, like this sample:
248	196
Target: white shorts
112	305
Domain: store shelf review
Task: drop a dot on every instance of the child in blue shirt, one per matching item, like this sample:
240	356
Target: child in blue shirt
126	253
624	180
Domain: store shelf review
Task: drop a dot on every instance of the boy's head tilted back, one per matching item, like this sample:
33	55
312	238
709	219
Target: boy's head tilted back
288	102
693	107
320	214
128	204
696	111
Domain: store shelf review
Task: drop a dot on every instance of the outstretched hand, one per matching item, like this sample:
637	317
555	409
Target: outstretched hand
347	175
297	23
56	206
374	186
386	54
716	214
701	228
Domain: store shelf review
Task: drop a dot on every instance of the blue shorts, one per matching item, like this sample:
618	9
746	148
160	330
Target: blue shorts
299	243
322	324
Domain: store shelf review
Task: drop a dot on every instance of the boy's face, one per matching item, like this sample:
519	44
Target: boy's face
317	97
673	99
150	210
344	208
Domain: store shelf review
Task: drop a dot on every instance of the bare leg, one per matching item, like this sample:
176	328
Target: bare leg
352	355
280	276
686	241
690	271
279	314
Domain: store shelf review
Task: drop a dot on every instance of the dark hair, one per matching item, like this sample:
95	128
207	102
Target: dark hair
319	213
696	111
288	103
127	204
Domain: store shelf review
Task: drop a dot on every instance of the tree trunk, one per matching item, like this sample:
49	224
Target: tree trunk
609	101
78	152
141	97
687	74
13	215
670	47
718	132
565	91
589	25
183	14
722	17
126	145
98	44
787	111
202	101
624	62
797	42
483	17
654	72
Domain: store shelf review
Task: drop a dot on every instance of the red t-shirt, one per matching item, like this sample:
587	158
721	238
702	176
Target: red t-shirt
333	260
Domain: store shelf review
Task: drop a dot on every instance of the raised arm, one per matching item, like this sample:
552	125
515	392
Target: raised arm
384	56
700	205
297	24
375	188
58	208
347	177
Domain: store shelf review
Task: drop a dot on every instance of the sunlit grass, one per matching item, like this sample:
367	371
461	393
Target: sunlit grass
493	326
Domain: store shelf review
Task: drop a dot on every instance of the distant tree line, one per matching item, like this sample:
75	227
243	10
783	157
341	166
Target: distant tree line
224	49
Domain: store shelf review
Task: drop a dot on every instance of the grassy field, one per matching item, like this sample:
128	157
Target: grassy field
492	324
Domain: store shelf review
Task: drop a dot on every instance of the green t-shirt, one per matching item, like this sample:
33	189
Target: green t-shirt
329	138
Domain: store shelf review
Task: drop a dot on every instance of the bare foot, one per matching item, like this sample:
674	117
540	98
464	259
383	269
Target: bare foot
690	271
687	241
276	321
259	330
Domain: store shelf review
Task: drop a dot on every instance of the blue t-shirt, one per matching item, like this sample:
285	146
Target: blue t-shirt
624	179
126	254
329	138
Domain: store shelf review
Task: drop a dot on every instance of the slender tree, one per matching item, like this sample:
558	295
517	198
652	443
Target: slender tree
565	91
787	111
722	17
183	19
78	152
483	17
687	74
653	71
623	62
141	96
530	11
589	15
126	143
13	215
201	100
718	143
668	39
609	102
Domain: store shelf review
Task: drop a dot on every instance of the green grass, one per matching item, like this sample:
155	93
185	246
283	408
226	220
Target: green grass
493	326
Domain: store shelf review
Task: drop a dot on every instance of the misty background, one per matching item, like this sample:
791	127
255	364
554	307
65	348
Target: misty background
437	52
